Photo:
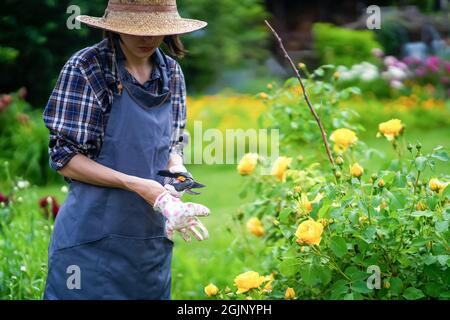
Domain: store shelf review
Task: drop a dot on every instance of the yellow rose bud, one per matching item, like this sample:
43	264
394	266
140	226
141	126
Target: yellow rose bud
336	75
309	232
420	206
269	86
297	189
339	161
356	170
381	183
227	289
255	227
211	290
324	222
247	163
387	285
289	294
301	65
247	281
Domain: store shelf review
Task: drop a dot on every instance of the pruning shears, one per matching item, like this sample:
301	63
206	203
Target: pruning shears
185	181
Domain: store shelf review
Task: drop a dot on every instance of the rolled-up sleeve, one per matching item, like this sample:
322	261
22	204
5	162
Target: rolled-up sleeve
178	88
73	117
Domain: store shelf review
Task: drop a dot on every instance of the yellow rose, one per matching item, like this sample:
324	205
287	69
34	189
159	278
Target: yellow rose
255	227
247	281
356	170
280	166
211	290
309	232
268	286
437	185
264	95
289	294
247	163
391	129
343	138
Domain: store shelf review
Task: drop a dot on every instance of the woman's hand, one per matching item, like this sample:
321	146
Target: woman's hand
182	217
146	188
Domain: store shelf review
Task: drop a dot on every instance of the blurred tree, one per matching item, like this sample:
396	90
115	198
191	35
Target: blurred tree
35	42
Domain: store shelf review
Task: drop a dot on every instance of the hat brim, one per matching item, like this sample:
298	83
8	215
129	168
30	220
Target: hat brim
145	27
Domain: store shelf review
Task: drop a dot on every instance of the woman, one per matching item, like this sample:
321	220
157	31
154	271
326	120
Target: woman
116	117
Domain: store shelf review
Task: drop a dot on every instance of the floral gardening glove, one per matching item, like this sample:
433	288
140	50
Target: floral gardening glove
182	216
169	182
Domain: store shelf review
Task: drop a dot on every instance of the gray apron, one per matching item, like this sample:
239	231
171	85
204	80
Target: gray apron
108	243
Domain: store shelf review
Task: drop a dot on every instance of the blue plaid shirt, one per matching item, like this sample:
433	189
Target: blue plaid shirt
78	108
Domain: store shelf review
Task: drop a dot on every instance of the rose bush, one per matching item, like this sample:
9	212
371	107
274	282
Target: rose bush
368	234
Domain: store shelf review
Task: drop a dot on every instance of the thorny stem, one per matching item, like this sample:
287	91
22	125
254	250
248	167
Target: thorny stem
305	95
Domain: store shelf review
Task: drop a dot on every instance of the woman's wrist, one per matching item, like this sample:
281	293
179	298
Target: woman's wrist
150	188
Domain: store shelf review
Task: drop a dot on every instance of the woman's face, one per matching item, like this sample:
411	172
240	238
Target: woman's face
141	47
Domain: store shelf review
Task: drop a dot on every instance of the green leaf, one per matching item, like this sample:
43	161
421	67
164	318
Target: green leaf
319	72
307	273
442	258
412	293
396	286
289	267
339	289
433	289
400	180
324	274
441	155
422	214
284	215
441	226
338	246
421	163
360	286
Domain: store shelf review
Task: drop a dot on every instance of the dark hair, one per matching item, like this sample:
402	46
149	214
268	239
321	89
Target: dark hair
173	43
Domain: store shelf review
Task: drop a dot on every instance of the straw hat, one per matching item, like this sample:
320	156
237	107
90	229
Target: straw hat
143	18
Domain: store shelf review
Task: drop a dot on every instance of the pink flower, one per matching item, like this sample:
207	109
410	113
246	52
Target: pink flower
410	60
390	60
420	71
377	52
396	84
432	63
447	66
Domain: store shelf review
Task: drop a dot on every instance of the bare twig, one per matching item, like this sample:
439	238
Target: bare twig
305	95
